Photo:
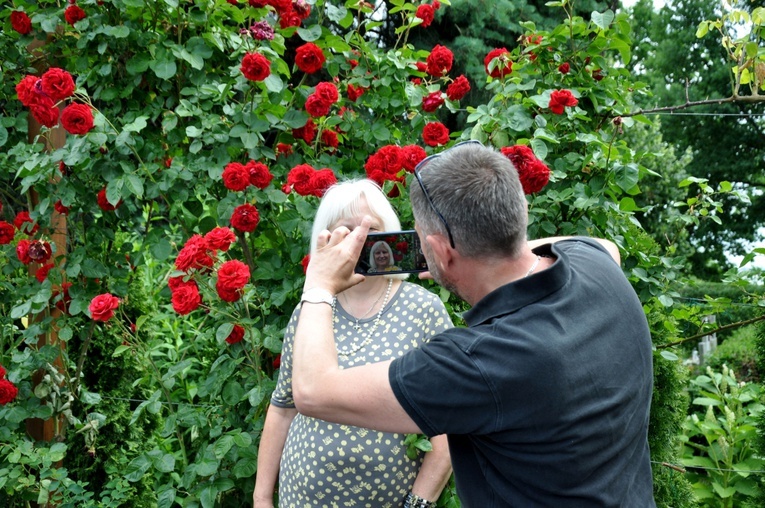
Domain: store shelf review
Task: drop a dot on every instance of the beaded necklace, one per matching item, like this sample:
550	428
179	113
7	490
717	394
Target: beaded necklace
357	347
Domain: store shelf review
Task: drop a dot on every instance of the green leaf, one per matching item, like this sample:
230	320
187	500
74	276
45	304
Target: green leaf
137	468
706	401
245	468
603	20
223	445
22	310
166	497
161	249
136	125
164	69
223	331
134	185
670	356
310	34
165	463
627	176
94	269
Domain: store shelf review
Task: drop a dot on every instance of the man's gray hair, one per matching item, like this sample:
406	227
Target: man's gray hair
478	192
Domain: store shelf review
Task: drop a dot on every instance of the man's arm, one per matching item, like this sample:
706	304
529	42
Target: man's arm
360	396
610	246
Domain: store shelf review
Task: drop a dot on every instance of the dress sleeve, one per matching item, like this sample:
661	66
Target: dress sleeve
282	396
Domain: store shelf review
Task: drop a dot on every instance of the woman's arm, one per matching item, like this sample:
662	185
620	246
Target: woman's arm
435	471
272	441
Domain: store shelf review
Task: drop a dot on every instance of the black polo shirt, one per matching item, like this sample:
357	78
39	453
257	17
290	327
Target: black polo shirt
545	397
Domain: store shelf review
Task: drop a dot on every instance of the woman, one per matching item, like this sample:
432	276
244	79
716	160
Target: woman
381	258
318	463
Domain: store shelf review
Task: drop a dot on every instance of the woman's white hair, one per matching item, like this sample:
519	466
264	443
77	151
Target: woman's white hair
343	201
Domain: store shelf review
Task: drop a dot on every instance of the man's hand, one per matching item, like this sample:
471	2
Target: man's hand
332	265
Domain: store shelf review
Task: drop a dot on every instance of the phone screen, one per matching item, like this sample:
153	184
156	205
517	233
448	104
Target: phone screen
391	252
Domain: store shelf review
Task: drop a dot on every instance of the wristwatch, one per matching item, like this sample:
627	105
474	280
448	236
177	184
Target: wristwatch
317	295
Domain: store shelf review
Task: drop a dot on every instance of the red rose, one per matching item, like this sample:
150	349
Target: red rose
439	61
7	232
186	299
329	138
559	99
44	110
229	295
57	84
236	176
322	180
532	172
20	222
432	102
22	251
73	14
42	273
304	262
281	6
236	335
564	68
435	133
317	106
8	392
458	88
289	19
426	13
103	203
220	238
195	254
385	164
233	274
77	118
327	91
2	372
309	58
26	88
62	298
20	22
307	133
299	178
354	92
283	148
411	155
301	8
503	65
257	3
175	283
102	307
260	176
597	74
245	218
255	67
60	208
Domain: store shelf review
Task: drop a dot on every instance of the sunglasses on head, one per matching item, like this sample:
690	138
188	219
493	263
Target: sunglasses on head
422	164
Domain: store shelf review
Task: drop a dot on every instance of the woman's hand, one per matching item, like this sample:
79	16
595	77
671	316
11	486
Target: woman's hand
333	263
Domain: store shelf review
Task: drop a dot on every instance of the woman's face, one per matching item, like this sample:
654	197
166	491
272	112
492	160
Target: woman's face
355	221
382	257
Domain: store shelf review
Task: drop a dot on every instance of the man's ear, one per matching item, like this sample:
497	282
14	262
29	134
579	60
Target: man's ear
442	250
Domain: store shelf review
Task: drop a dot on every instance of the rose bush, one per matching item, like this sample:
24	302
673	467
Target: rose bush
178	209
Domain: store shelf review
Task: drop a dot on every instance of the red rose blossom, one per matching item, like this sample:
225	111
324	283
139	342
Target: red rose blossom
354	92
220	238
22	251
102	307
426	13
236	335
42	273
57	84
7	232
307	133
502	67
559	99
309	58
329	138
255	67
317	106
73	14
178	282
2	372
232	275
20	22
411	155
245	218
281	6
283	149
260	175
195	254
327	91
439	61
104	204
289	19
532	172
597	74
236	176
322	180
44	110
186	299
60	208
435	133
25	89
39	251
77	118
385	164
432	102
564	68
304	262
8	392
458	88
20	222
299	178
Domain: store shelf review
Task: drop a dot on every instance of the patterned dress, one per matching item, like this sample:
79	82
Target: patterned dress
331	465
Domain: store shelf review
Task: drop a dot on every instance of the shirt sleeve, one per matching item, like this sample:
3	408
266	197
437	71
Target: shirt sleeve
282	395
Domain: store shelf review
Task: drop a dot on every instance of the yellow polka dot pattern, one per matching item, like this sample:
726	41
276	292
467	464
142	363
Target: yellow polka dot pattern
337	466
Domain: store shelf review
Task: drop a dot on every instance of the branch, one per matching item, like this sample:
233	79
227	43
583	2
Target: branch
710	332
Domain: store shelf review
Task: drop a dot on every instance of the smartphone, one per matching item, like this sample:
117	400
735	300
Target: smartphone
391	252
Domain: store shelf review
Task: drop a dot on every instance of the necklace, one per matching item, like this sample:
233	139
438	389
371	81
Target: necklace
533	267
356	325
356	347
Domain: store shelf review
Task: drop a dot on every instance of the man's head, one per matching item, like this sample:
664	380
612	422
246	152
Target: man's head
477	192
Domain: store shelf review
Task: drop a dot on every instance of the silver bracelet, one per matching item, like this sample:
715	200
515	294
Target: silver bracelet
415	501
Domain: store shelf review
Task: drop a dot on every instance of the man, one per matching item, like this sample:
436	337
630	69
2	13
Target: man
545	396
